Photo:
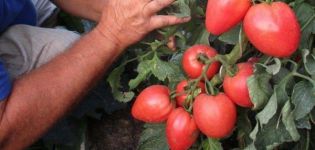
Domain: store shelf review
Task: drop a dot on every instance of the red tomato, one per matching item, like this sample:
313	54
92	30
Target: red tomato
215	116
273	29
153	104
222	15
180	89
193	67
181	130
236	87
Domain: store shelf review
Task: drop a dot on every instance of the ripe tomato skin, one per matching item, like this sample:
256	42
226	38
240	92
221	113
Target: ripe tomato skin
193	67
215	116
273	29
180	88
153	104
222	15
236	87
181	130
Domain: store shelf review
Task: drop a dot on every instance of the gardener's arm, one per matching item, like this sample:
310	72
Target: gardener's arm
89	9
42	97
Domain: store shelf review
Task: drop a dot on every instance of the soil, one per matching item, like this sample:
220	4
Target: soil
118	131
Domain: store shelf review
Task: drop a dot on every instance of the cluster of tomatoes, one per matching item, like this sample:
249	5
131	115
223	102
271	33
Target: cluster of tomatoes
271	27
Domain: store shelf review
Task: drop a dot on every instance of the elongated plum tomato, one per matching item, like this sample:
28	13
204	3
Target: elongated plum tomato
236	87
273	29
181	130
215	116
193	67
180	89
153	104
222	15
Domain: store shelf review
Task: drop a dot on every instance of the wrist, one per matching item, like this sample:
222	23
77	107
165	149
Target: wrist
110	37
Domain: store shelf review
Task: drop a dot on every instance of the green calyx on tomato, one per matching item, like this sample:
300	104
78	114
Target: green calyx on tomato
181	91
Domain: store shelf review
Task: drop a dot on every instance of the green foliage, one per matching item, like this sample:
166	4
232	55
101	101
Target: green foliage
303	99
281	89
153	138
259	87
211	144
309	61
232	36
114	81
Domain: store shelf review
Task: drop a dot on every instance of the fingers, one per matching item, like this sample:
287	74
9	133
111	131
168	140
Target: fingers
156	5
160	21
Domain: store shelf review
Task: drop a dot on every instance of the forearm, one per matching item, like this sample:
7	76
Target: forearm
42	97
89	9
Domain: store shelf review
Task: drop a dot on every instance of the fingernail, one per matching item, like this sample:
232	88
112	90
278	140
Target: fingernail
186	18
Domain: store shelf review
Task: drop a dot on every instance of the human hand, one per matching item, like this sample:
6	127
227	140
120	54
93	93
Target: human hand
125	22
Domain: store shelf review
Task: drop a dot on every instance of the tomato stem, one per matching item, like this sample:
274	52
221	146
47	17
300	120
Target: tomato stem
268	1
189	101
307	139
138	57
210	85
267	60
174	94
304	77
216	80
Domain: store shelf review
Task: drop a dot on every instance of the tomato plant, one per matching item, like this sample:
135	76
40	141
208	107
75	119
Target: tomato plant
277	92
153	104
181	130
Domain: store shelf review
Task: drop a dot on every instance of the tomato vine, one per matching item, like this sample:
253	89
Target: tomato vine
281	87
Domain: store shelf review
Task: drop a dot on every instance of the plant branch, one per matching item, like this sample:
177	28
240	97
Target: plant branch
304	77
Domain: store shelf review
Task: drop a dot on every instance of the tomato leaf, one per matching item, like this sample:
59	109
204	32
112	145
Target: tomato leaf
244	128
304	123
162	70
114	81
200	36
288	121
278	98
272	134
232	36
143	71
269	111
303	99
183	9
153	137
304	13
274	68
309	61
259	88
211	144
